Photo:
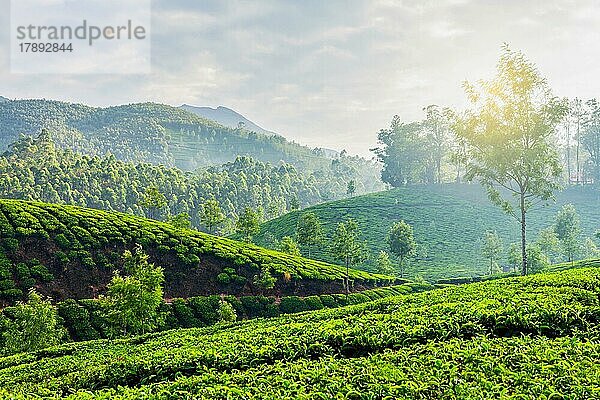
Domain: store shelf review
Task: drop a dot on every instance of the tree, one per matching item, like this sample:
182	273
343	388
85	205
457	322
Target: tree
247	224
351	188
590	139
514	256
492	248
288	245
590	248
264	279
509	138
34	325
309	231
548	242
132	301
568	231
211	215
347	247
401	152
536	259
180	221
436	125
384	264
294	203
154	201
401	243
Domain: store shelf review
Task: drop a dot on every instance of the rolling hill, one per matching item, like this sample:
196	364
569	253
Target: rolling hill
448	220
526	337
161	134
70	252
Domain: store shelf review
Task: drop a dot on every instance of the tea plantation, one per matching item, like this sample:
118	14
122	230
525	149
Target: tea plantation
449	222
71	252
512	338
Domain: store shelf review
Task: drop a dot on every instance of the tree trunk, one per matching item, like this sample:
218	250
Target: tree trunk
523	237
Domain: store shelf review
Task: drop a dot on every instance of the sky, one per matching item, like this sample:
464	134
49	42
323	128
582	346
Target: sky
333	73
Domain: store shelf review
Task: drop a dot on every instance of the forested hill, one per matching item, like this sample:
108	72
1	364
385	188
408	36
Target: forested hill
71	252
449	223
36	169
162	134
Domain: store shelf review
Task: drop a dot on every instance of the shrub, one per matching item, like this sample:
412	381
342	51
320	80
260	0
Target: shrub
77	321
10	244
184	314
223	279
328	301
205	308
292	304
313	303
226	312
33	325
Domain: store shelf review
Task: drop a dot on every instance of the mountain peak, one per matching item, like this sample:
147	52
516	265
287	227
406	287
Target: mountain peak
226	117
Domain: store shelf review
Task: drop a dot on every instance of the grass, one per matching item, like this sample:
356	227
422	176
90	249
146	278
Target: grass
523	337
449	222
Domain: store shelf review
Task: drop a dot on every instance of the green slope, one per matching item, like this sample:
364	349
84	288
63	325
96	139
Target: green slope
449	220
161	134
67	251
531	337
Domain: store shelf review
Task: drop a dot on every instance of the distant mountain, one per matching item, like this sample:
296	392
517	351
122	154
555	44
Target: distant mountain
172	136
226	117
3	99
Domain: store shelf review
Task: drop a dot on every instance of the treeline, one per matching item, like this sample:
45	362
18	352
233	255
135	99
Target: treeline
161	134
38	169
427	151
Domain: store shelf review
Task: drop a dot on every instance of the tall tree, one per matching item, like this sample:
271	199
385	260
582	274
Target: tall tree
351	189
211	215
436	126
288	245
309	231
568	231
347	247
577	114
492	248
509	135
384	264
401	151
154	201
590	139
248	224
401	243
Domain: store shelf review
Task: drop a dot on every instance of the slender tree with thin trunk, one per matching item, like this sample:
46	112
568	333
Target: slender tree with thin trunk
509	134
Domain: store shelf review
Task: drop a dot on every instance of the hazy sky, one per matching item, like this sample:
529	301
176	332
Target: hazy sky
332	73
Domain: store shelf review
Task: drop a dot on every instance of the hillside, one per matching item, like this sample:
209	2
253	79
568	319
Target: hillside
526	337
37	169
161	134
226	117
70	252
448	220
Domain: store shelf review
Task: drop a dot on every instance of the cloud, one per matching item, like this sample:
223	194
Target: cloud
332	73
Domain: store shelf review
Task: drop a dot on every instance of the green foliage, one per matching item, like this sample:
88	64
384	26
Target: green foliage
447	219
504	338
226	312
289	246
492	248
211	215
309	231
384	264
154	201
132	302
180	221
568	231
247	224
184	251
509	138
401	243
31	325
264	279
